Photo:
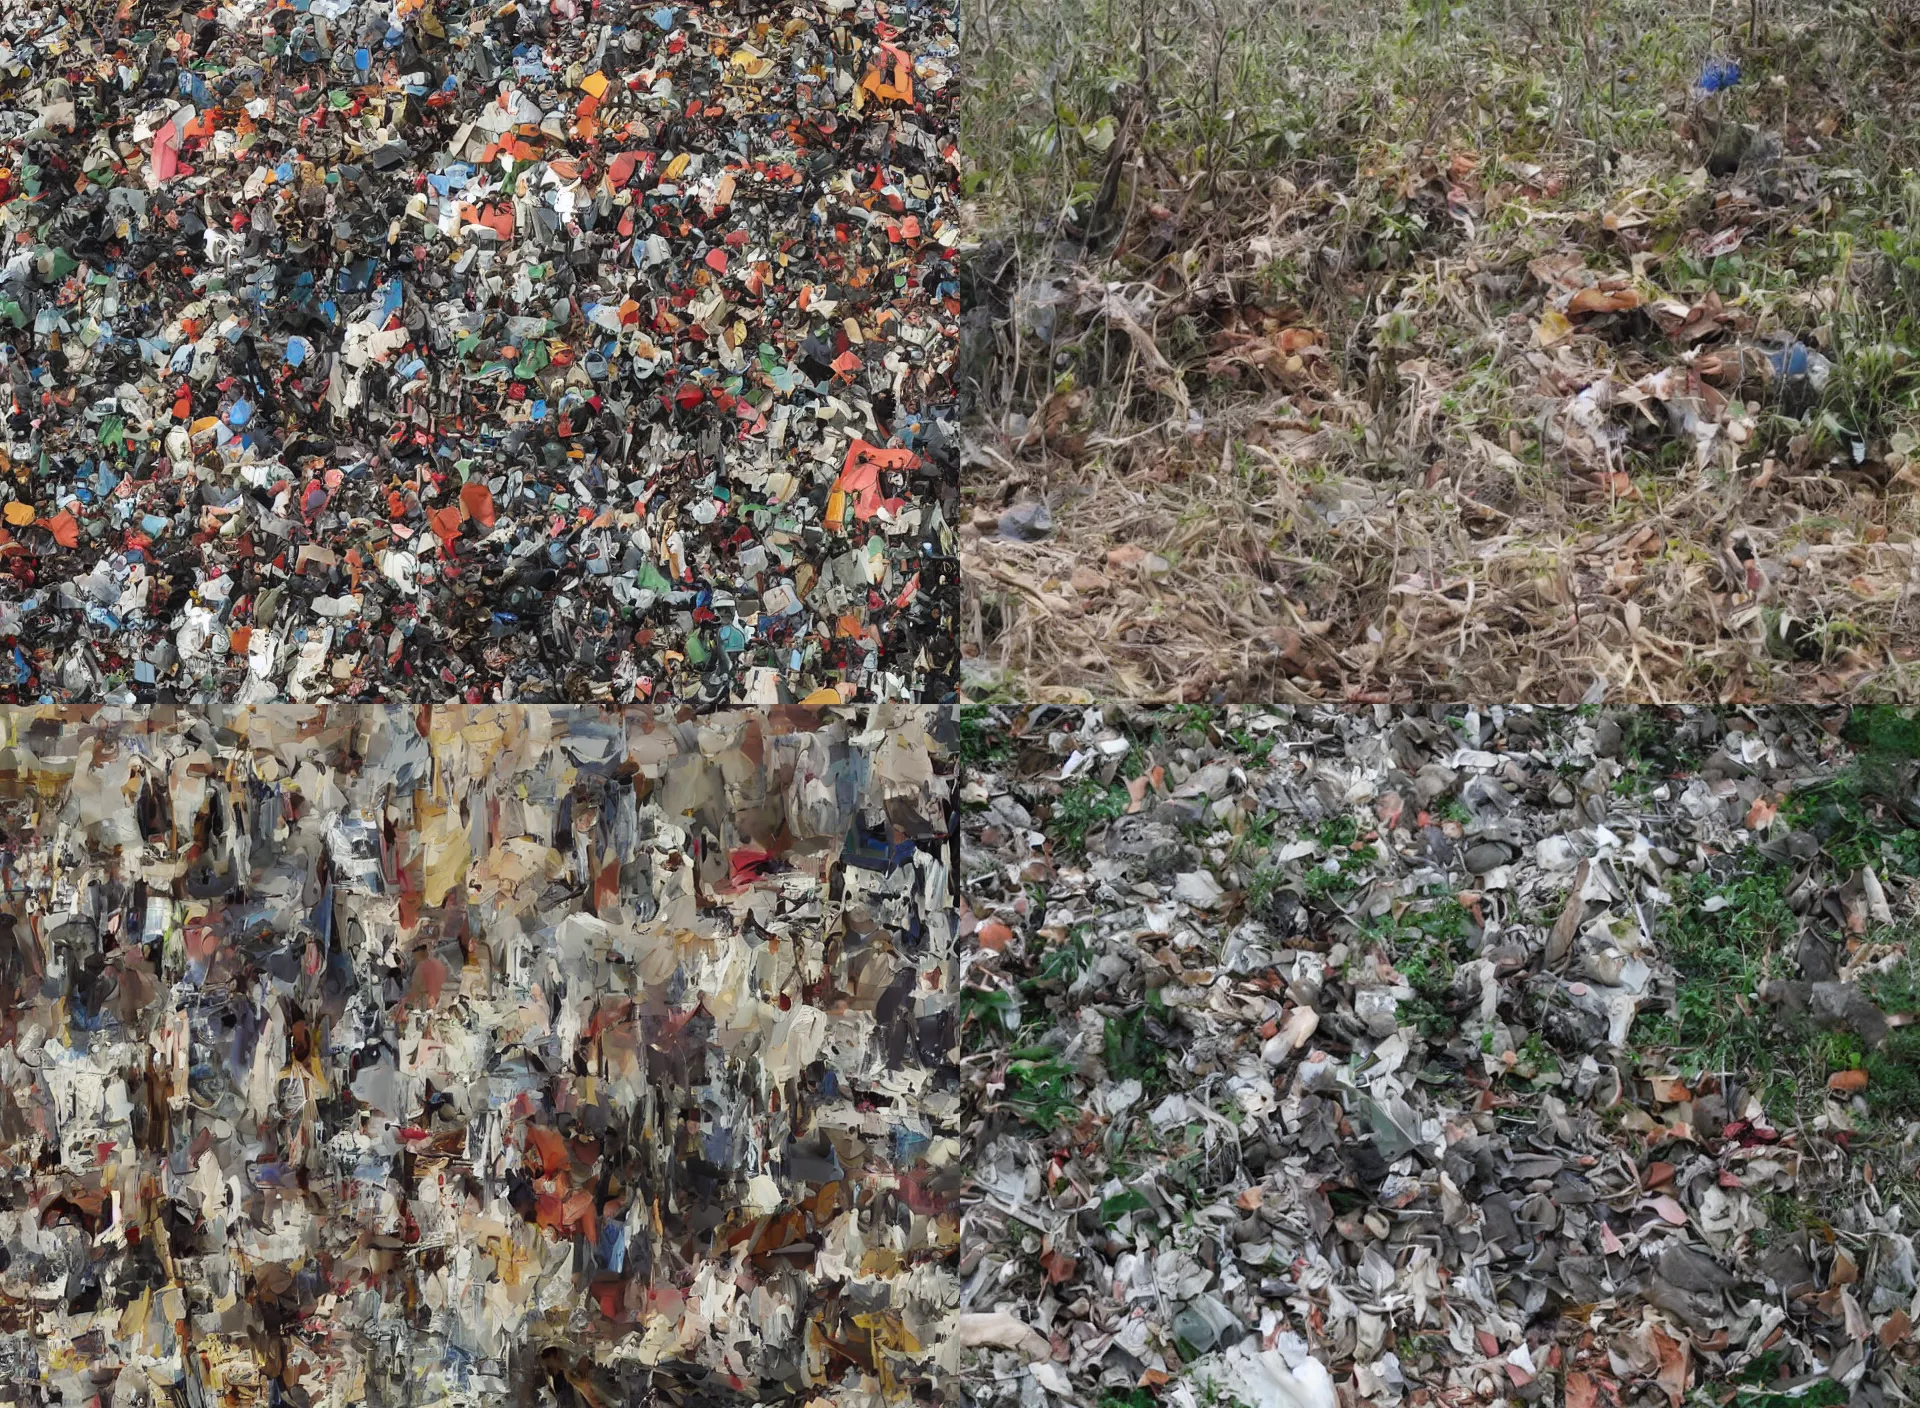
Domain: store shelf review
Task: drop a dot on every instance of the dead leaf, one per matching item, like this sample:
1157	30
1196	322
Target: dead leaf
1895	1328
1562	272
1723	242
1669	1210
1601	300
1560	941
1555	327
1674	1366
1582	1392
1847	1082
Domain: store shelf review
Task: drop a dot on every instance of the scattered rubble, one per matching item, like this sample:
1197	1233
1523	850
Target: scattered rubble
1320	1058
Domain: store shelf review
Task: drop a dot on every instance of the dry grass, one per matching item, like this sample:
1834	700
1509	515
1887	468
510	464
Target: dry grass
1285	365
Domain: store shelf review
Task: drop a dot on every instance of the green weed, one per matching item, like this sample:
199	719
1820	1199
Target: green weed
983	741
983	1009
1855	813
1041	1092
1720	958
1120	1204
1132	1054
1427	949
1063	963
1083	806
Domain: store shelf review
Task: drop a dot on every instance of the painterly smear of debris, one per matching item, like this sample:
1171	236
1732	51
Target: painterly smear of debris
587	352
461	1056
1322	1059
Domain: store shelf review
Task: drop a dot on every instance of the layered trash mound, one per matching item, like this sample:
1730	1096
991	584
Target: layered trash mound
433	350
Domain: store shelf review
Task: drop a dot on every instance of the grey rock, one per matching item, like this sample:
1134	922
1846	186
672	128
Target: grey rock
1844	1006
1487	855
1157	847
1434	781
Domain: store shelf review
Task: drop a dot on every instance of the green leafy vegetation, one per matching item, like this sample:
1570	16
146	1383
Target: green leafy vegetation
1720	957
1751	1391
1427	948
1062	964
1858	815
1723	954
1083	806
1040	1090
983	744
1133	1054
985	1012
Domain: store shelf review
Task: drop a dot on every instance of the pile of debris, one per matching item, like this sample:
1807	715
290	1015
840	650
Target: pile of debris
560	352
1324	1058
456	1055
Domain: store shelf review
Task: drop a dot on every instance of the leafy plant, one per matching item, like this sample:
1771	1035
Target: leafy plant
1720	956
1120	1204
981	1009
1132	1053
983	741
1428	948
1040	1091
1084	805
1064	962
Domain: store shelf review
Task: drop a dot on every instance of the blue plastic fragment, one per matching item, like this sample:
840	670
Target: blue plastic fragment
1718	75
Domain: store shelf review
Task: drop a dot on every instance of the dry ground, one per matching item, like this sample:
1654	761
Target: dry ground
1377	352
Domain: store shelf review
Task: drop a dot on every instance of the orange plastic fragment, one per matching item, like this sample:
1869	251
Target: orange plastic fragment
860	477
551	1148
477	502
